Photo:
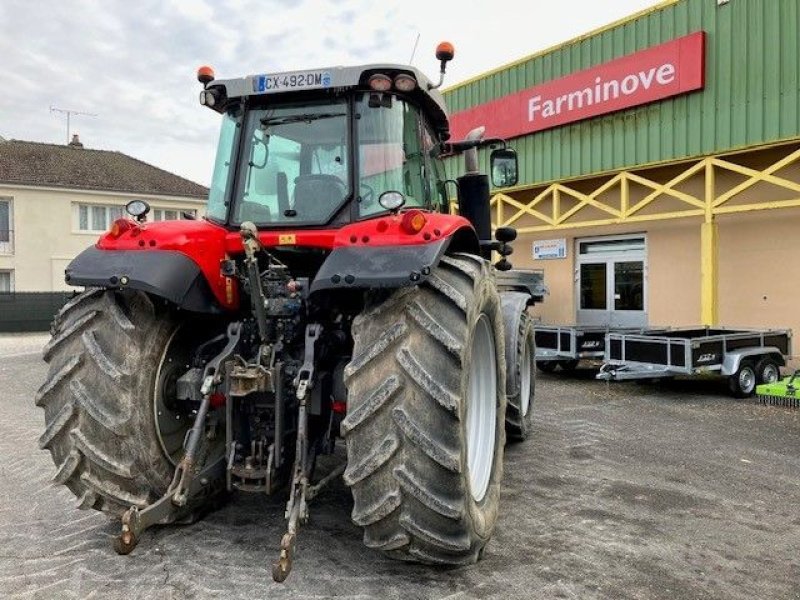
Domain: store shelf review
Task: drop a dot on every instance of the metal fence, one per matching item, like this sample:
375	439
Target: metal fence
30	311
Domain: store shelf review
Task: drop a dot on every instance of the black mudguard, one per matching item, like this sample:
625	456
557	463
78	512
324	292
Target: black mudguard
165	273
378	266
528	282
389	266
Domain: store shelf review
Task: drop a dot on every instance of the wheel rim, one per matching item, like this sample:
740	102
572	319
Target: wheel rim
172	419
171	425
747	380
481	409
525	379
770	374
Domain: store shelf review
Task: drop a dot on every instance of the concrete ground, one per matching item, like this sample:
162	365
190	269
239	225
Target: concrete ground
624	491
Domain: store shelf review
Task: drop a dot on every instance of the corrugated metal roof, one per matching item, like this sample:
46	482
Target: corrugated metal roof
751	95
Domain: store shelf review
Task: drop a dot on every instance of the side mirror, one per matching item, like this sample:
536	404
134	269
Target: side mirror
504	167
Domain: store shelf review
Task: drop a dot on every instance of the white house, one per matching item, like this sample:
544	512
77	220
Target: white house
55	200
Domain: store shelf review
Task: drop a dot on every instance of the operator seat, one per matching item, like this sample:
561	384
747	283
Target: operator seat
316	196
255	212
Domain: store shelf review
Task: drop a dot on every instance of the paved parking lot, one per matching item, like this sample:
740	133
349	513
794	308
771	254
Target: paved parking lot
625	491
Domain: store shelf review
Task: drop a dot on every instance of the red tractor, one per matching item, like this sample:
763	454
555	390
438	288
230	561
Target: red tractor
327	293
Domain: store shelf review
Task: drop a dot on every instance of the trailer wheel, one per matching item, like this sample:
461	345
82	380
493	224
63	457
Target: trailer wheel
111	430
568	365
768	370
426	415
547	366
743	383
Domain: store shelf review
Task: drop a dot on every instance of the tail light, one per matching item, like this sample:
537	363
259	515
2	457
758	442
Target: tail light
413	221
118	227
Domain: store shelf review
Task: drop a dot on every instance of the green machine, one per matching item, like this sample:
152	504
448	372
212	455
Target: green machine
785	392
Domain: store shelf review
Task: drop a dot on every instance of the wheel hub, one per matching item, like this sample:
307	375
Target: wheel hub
747	380
771	374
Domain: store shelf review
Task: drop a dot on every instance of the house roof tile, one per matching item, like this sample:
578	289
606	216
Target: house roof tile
68	166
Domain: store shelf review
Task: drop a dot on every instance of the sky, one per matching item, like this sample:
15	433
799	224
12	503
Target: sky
133	63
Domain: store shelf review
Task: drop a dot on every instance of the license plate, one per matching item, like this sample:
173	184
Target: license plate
282	82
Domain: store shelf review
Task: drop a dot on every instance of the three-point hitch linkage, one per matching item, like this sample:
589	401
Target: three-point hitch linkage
229	375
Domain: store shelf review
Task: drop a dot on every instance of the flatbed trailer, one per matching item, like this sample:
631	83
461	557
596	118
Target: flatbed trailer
566	345
747	357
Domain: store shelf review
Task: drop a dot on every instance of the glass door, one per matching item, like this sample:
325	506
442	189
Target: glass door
611	281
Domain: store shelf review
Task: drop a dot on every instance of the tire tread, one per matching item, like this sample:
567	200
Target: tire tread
95	419
408	500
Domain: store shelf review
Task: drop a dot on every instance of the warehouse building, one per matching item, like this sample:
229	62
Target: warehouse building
659	165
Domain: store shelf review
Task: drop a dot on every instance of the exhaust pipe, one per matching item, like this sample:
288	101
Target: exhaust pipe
473	194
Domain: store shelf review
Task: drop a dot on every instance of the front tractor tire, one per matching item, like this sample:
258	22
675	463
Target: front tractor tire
425	428
521	375
105	357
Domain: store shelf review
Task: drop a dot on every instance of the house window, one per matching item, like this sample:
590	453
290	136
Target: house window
6	281
6	232
96	218
165	214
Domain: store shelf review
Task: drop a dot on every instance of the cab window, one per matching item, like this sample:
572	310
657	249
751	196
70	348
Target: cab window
391	155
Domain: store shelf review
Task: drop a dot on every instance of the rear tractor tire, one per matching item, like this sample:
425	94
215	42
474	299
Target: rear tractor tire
426	415
114	358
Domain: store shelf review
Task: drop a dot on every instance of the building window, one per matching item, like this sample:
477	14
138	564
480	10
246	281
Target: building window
6	281
96	218
6	231
165	214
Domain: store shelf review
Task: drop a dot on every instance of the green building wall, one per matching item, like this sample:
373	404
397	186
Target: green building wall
751	94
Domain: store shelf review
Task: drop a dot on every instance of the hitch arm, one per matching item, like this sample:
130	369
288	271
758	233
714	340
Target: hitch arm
297	507
185	483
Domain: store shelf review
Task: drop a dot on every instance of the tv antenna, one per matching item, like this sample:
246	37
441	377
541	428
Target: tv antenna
69	113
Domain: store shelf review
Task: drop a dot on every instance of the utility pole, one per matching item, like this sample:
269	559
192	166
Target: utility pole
69	113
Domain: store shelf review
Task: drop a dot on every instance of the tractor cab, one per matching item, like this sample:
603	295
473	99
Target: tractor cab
328	147
327	294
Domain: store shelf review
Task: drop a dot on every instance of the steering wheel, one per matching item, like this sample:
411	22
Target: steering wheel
367	199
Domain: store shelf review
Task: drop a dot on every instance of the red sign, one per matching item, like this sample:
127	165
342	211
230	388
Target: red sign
670	69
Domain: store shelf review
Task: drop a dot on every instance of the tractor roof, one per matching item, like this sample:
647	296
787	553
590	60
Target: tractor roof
336	79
